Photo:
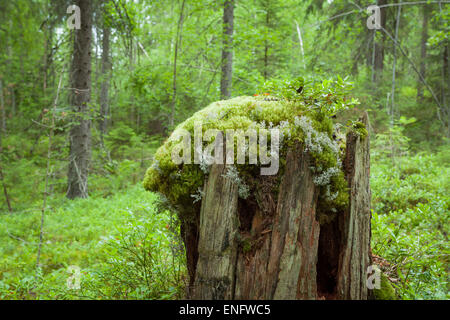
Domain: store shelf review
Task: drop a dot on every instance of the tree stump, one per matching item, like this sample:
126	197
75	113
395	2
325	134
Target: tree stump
275	248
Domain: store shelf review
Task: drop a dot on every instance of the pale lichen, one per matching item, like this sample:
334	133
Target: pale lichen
297	122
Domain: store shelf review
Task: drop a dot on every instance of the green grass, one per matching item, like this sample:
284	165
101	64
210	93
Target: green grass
88	233
410	223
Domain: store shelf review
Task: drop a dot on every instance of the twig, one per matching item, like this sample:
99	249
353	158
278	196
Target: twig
41	124
49	154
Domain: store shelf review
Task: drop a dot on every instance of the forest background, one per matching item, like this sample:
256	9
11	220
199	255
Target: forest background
155	63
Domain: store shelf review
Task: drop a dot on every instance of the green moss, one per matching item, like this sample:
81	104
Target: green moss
386	291
246	245
324	159
360	129
179	182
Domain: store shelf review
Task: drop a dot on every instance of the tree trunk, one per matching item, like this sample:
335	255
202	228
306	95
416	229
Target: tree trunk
2	178
2	106
217	248
394	65
272	246
2	131
104	91
379	45
47	59
445	89
80	133
266	44
354	224
423	51
175	58
227	50
13	99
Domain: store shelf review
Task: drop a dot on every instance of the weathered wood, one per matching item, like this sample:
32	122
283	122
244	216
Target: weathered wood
355	222
272	246
291	270
282	266
217	245
189	232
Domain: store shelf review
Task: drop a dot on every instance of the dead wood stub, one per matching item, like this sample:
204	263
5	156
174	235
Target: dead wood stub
272	246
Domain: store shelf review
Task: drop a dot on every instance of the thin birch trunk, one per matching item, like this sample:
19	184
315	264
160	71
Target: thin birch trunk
392	113
423	52
300	41
175	58
48	171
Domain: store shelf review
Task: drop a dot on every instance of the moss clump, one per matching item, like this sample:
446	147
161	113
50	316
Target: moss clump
386	291
360	129
299	120
246	245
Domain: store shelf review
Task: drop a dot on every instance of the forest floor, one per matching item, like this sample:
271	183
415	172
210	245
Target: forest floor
121	246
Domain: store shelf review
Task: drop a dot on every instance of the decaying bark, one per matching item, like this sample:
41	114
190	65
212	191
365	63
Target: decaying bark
355	223
271	245
217	247
287	237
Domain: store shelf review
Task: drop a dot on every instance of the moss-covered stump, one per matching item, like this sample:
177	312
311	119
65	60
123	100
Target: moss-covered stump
303	233
277	248
386	291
